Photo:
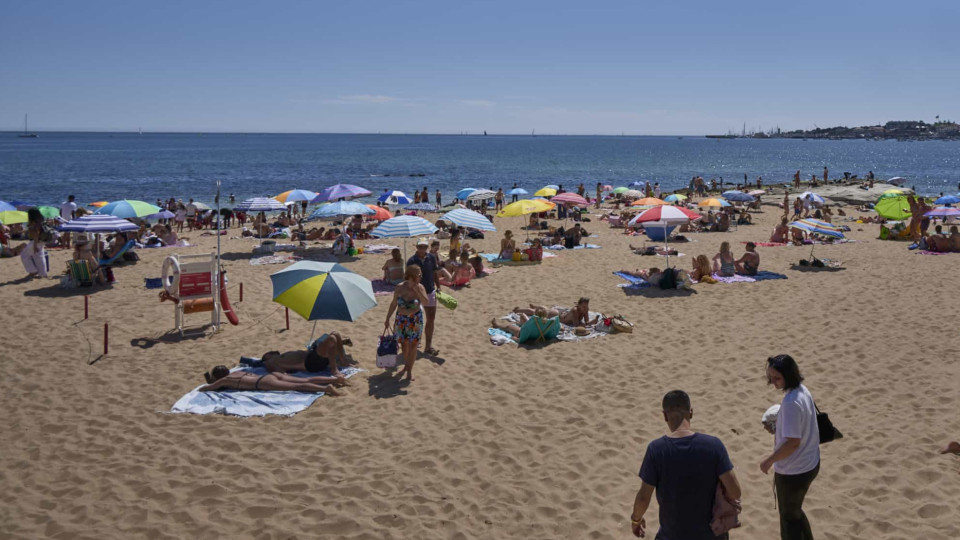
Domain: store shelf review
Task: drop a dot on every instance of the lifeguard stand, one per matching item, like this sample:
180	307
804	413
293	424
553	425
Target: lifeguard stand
198	291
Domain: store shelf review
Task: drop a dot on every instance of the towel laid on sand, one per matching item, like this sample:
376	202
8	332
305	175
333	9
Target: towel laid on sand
379	248
558	247
763	275
635	282
249	402
567	333
273	259
382	288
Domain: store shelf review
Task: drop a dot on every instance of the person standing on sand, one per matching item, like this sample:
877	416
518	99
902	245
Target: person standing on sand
498	199
439	199
599	195
796	456
825	175
796	179
430	279
684	468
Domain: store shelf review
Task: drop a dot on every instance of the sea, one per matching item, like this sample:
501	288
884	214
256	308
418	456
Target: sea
111	166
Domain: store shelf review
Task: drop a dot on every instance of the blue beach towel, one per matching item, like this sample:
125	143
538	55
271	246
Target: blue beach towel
635	281
764	275
249	402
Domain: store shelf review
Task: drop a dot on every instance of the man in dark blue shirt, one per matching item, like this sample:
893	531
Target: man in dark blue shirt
430	280
684	468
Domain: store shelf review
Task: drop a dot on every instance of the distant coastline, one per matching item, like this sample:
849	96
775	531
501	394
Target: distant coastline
901	130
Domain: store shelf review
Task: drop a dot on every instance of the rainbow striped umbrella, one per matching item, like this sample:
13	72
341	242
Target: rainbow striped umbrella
323	291
296	195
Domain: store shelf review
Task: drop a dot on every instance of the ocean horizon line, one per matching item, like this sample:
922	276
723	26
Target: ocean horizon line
424	134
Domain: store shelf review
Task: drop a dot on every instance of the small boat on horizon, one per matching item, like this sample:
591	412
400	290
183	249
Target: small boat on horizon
26	133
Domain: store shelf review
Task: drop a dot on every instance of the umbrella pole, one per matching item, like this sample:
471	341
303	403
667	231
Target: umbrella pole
665	248
312	332
216	272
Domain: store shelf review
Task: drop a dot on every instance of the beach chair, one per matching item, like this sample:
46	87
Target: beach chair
539	330
126	247
80	273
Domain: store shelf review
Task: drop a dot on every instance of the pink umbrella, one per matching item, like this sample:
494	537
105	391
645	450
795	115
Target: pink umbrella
570	198
665	216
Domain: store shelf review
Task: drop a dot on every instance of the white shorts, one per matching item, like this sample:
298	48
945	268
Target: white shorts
432	298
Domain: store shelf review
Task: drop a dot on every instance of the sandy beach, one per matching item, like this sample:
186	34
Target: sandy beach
488	442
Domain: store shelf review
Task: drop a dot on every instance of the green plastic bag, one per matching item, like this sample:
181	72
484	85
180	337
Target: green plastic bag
446	300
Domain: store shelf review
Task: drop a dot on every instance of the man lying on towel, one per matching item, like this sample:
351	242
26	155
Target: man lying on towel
326	354
220	378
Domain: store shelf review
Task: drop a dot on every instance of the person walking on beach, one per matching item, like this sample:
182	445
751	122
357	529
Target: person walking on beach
439	199
68	211
191	214
796	179
684	467
599	195
796	456
825	175
430	279
498	198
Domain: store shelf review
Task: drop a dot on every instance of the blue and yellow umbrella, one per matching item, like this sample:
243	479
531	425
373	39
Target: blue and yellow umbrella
319	290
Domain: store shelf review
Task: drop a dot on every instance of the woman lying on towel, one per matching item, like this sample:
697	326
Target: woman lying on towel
325	355
579	315
220	378
514	329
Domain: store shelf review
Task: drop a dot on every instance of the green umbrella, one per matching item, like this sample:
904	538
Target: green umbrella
896	208
49	212
620	190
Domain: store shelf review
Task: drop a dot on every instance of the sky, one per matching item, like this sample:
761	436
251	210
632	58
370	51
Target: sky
556	67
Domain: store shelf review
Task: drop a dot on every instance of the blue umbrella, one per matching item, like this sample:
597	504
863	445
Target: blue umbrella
318	290
739	196
947	199
340	209
816	227
128	209
163	214
394	197
260	204
404	227
812	197
517	191
421	206
7	207
341	191
469	219
465	192
641	184
97	223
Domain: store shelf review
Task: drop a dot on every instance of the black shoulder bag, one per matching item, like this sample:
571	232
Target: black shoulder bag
827	431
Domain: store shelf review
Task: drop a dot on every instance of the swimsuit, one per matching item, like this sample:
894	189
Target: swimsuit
314	362
749	269
727	268
408	327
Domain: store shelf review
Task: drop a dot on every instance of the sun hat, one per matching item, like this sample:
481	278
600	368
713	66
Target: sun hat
423	242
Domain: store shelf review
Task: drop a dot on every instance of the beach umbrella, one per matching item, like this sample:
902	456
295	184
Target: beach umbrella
7	207
201	206
648	201
891	193
570	198
896	208
897	181
422	207
341	191
757	192
404	227
619	190
97	223
675	198
469	219
258	204
945	211
379	213
322	291
665	216
526	206
465	192
163	214
49	212
341	209
713	202
481	195
546	192
553	187
739	196
947	199
296	195
816	226
639	184
517	191
128	209
98	204
395	198
10	217
815	198
632	194
607	187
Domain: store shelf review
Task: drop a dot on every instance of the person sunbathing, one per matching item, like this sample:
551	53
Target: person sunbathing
507	245
514	329
701	269
652	250
393	268
954	238
326	354
750	262
780	232
723	262
579	315
220	378
453	261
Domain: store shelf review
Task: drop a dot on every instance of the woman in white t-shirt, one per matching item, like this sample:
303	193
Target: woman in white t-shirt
796	455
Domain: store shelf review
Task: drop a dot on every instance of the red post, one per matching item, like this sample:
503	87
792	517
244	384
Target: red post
241	292
86	307
106	333
287	313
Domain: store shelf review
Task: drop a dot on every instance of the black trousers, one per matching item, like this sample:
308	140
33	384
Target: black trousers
791	489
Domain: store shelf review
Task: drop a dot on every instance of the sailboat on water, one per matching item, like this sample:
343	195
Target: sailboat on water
26	133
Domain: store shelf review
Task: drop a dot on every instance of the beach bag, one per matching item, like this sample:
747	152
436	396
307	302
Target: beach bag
827	431
669	279
446	300
619	324
387	351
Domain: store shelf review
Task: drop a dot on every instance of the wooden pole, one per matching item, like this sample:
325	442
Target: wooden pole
241	292
287	314
86	307
106	333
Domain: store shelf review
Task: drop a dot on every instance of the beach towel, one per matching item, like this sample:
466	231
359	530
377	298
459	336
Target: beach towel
272	259
763	275
565	333
636	282
558	247
925	252
249	402
382	287
767	244
379	248
766	275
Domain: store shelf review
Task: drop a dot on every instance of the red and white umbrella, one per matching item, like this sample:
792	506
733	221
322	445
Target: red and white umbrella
569	198
665	216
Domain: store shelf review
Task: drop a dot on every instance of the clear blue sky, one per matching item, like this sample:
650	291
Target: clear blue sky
451	66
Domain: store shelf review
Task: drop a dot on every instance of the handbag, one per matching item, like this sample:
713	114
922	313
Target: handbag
620	324
446	300
827	431
387	351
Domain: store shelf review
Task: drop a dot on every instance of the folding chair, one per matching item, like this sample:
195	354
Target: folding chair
80	273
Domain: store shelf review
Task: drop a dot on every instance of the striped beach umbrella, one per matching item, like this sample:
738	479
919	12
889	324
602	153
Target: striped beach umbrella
341	209
404	227
395	197
128	209
569	198
341	191
815	198
259	204
469	219
97	223
296	195
323	291
816	227
481	195
421	207
945	211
